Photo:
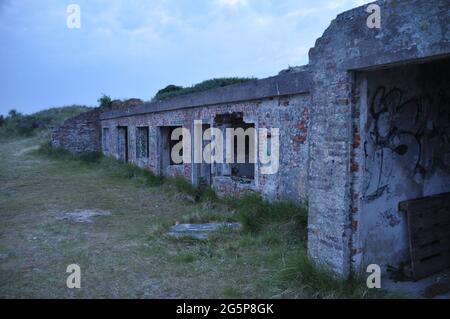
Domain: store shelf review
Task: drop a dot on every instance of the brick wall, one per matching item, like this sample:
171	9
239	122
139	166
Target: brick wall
290	114
80	134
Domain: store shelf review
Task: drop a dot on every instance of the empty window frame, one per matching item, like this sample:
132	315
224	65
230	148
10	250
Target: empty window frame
168	144
243	171
142	145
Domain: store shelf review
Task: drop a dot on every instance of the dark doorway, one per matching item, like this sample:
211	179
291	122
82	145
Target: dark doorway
166	144
122	143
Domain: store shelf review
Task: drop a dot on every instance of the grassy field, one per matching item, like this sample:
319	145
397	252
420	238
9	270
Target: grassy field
127	253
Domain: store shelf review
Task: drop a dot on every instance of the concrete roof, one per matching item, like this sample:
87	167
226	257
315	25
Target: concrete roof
280	85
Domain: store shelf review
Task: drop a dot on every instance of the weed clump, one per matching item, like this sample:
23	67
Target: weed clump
254	212
301	272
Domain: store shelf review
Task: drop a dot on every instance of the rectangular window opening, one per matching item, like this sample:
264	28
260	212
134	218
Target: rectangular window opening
142	145
242	172
167	145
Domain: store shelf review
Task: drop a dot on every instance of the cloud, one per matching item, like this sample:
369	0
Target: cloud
132	48
301	13
232	3
334	4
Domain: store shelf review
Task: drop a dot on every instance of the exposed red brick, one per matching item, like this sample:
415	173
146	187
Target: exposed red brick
356	140
300	138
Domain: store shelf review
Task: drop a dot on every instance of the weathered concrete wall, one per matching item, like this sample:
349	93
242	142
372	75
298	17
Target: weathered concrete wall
406	151
410	31
80	134
290	114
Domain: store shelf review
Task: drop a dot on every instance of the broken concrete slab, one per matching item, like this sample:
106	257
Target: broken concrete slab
200	231
84	215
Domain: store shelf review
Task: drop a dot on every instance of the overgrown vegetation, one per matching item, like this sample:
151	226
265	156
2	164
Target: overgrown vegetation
18	124
104	100
299	271
174	90
278	227
255	212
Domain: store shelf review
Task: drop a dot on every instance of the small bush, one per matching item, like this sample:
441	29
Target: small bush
168	91
104	100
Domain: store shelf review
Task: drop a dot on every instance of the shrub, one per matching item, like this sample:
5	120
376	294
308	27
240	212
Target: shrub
173	90
105	100
170	90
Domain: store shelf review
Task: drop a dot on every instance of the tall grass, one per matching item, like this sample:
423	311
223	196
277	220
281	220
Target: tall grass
301	273
254	212
280	226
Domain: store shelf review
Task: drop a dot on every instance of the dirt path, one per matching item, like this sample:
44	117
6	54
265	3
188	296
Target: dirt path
122	251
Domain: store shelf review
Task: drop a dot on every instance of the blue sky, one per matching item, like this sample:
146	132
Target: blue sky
132	48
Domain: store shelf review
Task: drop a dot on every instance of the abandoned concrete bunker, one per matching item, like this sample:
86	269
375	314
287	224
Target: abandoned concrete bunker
364	138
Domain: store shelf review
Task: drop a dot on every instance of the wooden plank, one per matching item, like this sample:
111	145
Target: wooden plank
440	246
431	218
425	237
405	204
429	233
429	267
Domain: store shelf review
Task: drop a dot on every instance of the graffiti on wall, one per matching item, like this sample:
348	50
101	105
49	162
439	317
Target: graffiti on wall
413	133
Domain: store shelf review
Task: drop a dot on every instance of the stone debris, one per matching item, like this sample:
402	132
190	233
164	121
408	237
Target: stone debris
200	231
84	215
